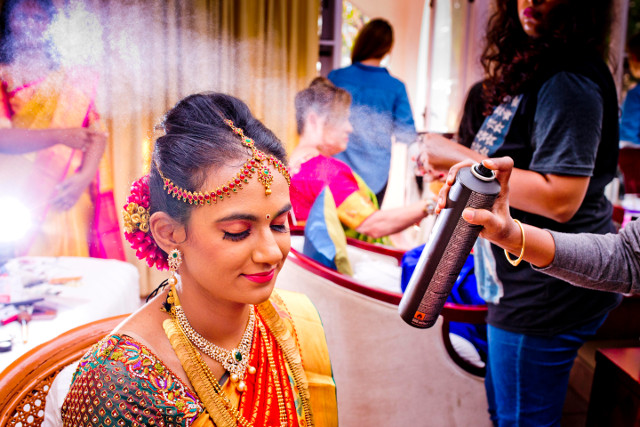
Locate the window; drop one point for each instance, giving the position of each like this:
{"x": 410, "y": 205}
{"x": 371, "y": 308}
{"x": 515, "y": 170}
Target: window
{"x": 338, "y": 26}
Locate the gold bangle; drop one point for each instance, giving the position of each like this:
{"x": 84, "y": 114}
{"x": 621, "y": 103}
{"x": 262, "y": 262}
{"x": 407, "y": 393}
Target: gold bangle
{"x": 506, "y": 254}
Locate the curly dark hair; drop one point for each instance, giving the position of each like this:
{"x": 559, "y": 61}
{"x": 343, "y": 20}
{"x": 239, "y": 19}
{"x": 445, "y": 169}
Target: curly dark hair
{"x": 513, "y": 61}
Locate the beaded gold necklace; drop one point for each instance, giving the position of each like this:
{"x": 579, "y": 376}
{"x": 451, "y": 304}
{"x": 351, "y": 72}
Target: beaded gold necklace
{"x": 217, "y": 401}
{"x": 235, "y": 361}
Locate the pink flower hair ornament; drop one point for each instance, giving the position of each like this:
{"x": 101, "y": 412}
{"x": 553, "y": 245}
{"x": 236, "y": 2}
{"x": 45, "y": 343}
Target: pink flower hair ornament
{"x": 136, "y": 225}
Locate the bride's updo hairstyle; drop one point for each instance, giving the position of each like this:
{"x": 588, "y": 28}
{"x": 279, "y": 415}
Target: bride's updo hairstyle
{"x": 198, "y": 142}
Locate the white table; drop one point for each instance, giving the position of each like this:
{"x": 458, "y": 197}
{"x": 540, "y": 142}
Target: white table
{"x": 107, "y": 288}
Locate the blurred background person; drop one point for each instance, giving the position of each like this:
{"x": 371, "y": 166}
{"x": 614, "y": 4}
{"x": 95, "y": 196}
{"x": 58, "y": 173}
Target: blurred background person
{"x": 630, "y": 118}
{"x": 550, "y": 103}
{"x": 380, "y": 107}
{"x": 68, "y": 186}
{"x": 323, "y": 123}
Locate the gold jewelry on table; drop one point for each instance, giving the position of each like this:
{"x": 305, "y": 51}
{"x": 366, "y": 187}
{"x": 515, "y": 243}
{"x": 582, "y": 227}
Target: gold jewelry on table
{"x": 506, "y": 253}
{"x": 235, "y": 361}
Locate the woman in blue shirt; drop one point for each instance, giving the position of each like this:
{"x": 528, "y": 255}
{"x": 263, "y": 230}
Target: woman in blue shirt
{"x": 630, "y": 119}
{"x": 380, "y": 106}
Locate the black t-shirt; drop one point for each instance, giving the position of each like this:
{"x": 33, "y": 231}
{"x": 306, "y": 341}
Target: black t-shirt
{"x": 566, "y": 125}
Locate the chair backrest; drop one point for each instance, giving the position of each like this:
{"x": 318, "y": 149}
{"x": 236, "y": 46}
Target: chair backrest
{"x": 629, "y": 162}
{"x": 617, "y": 216}
{"x": 24, "y": 384}
{"x": 387, "y": 372}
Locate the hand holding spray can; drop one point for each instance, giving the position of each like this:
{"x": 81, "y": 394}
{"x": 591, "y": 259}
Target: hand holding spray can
{"x": 450, "y": 243}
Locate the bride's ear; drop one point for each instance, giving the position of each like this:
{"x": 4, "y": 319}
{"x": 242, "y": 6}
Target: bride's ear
{"x": 168, "y": 233}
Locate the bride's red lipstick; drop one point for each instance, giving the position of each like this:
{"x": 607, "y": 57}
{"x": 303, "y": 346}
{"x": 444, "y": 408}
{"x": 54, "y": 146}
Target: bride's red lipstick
{"x": 261, "y": 277}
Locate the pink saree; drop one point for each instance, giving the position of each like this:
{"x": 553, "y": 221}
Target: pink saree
{"x": 62, "y": 99}
{"x": 354, "y": 201}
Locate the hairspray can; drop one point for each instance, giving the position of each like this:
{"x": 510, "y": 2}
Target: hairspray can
{"x": 449, "y": 244}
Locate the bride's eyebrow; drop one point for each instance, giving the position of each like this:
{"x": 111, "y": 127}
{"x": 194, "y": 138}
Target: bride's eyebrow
{"x": 238, "y": 216}
{"x": 249, "y": 217}
{"x": 285, "y": 209}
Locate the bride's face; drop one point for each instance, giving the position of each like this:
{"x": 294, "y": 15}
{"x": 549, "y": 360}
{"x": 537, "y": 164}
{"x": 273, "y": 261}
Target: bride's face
{"x": 236, "y": 248}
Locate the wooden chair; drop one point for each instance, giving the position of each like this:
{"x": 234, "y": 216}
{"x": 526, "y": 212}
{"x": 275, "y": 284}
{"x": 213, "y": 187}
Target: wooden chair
{"x": 629, "y": 162}
{"x": 25, "y": 383}
{"x": 617, "y": 216}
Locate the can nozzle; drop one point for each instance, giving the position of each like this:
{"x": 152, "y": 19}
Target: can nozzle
{"x": 482, "y": 172}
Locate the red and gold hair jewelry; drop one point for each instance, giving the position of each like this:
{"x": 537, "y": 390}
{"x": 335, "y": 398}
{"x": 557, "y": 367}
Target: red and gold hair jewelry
{"x": 258, "y": 164}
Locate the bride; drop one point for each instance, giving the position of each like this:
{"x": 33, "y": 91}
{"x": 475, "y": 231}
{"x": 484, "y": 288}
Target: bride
{"x": 215, "y": 346}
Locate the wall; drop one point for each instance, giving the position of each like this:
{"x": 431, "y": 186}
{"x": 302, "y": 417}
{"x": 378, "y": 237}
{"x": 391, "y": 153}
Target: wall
{"x": 406, "y": 18}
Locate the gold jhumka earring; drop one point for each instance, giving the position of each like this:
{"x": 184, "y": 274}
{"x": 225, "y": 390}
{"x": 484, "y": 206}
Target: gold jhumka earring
{"x": 174, "y": 260}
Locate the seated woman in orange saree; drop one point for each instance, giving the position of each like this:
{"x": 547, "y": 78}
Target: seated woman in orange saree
{"x": 219, "y": 347}
{"x": 287, "y": 331}
{"x": 68, "y": 191}
{"x": 322, "y": 115}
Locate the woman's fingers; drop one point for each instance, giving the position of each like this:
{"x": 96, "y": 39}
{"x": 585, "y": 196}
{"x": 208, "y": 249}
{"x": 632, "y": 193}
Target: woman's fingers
{"x": 480, "y": 217}
{"x": 451, "y": 178}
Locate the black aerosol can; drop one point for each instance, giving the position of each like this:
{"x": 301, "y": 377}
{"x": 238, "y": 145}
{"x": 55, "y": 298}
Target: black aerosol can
{"x": 449, "y": 245}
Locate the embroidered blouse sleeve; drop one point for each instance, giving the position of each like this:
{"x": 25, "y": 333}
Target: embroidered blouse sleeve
{"x": 121, "y": 381}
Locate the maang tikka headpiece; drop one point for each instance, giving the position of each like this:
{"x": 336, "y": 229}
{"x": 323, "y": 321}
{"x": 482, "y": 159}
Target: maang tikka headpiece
{"x": 258, "y": 164}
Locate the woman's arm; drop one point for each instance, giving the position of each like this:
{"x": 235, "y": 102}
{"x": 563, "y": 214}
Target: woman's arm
{"x": 19, "y": 141}
{"x": 565, "y": 136}
{"x": 389, "y": 221}
{"x": 553, "y": 196}
{"x": 609, "y": 262}
{"x": 605, "y": 262}
{"x": 70, "y": 190}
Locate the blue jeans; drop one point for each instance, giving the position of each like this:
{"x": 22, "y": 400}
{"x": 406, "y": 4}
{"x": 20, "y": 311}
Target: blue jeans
{"x": 527, "y": 376}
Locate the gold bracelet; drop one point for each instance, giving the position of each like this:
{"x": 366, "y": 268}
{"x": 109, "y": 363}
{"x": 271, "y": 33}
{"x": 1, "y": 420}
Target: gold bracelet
{"x": 506, "y": 254}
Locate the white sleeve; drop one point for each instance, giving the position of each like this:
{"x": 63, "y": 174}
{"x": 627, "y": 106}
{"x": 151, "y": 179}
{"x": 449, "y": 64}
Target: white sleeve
{"x": 56, "y": 395}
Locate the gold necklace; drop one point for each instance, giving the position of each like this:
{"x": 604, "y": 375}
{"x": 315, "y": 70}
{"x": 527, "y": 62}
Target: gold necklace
{"x": 213, "y": 381}
{"x": 284, "y": 420}
{"x": 235, "y": 361}
{"x": 272, "y": 364}
{"x": 272, "y": 320}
